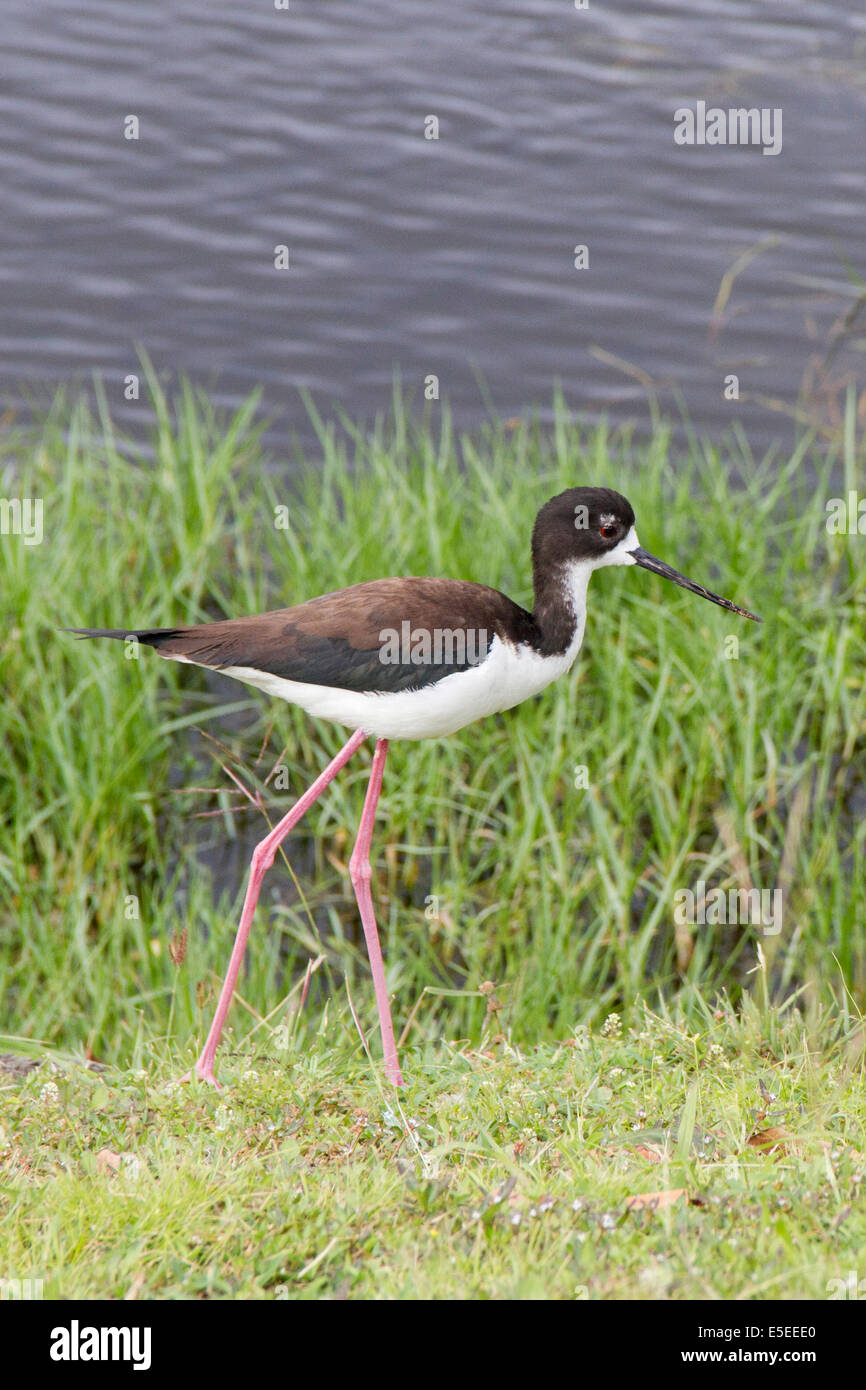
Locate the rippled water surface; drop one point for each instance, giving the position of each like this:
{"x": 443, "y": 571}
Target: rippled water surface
{"x": 452, "y": 257}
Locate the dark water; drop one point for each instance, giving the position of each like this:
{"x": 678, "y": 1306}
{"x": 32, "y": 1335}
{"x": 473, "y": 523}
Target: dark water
{"x": 261, "y": 127}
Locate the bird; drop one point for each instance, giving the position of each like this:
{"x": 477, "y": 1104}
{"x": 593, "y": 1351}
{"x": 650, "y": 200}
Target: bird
{"x": 409, "y": 658}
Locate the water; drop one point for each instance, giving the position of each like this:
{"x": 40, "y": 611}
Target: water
{"x": 452, "y": 257}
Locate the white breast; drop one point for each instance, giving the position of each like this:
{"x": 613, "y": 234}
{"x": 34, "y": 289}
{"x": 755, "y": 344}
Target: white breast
{"x": 508, "y": 675}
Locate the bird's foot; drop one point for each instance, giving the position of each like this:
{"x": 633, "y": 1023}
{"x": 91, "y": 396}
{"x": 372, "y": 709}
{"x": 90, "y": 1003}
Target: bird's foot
{"x": 203, "y": 1071}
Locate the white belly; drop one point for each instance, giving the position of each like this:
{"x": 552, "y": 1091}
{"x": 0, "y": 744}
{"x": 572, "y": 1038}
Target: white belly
{"x": 508, "y": 675}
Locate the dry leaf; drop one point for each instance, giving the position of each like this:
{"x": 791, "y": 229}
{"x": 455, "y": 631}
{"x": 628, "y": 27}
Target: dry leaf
{"x": 655, "y": 1200}
{"x": 780, "y": 1141}
{"x": 773, "y": 1140}
{"x": 655, "y": 1155}
{"x": 108, "y": 1162}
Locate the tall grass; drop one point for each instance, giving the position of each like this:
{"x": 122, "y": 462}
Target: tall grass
{"x": 730, "y": 762}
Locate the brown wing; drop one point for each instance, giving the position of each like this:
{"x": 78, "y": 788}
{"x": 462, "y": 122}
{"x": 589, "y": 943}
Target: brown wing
{"x": 387, "y": 635}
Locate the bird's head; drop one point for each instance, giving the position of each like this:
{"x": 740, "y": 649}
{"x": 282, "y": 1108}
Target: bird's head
{"x": 594, "y": 527}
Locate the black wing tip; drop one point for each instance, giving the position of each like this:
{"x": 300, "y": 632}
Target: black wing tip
{"x": 150, "y": 636}
{"x": 98, "y": 631}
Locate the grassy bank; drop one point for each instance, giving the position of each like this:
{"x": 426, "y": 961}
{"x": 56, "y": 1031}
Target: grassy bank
{"x": 540, "y": 851}
{"x": 648, "y": 1162}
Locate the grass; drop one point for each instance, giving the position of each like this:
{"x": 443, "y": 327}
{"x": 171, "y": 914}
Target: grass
{"x": 539, "y": 852}
{"x": 650, "y": 1162}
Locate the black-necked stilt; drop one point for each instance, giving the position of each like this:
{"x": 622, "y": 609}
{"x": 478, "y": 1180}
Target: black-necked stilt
{"x": 411, "y": 658}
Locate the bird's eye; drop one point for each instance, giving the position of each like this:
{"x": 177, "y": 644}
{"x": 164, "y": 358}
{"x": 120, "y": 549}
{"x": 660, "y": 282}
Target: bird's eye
{"x": 608, "y": 528}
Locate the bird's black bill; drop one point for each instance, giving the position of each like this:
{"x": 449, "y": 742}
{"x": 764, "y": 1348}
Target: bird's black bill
{"x": 649, "y": 562}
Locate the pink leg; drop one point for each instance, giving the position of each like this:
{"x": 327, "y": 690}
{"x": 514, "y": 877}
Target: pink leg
{"x": 263, "y": 858}
{"x": 361, "y": 873}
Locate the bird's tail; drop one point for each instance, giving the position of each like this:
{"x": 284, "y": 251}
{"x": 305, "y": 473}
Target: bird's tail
{"x": 150, "y": 636}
